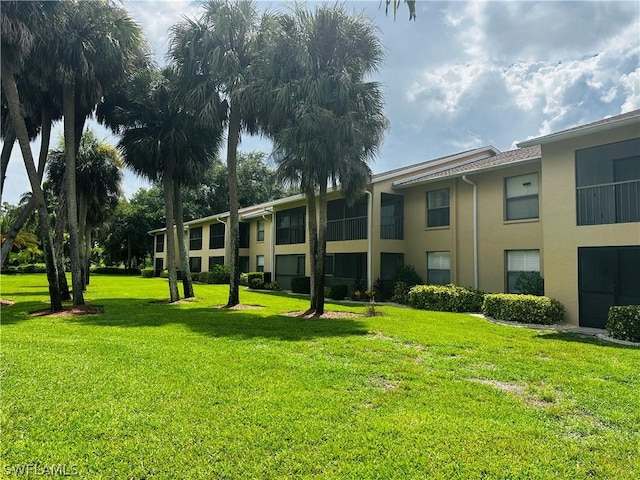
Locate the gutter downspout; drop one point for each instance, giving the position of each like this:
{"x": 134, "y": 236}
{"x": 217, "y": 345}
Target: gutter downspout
{"x": 369, "y": 240}
{"x": 475, "y": 229}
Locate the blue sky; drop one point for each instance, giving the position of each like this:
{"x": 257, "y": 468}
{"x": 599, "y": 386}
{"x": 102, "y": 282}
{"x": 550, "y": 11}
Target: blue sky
{"x": 465, "y": 74}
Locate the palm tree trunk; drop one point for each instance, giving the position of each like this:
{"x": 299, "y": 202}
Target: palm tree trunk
{"x": 322, "y": 248}
{"x": 61, "y": 220}
{"x": 187, "y": 283}
{"x": 312, "y": 219}
{"x": 7, "y": 147}
{"x": 87, "y": 264}
{"x": 13, "y": 101}
{"x": 68, "y": 101}
{"x": 82, "y": 241}
{"x": 28, "y": 209}
{"x": 234, "y": 230}
{"x": 174, "y": 294}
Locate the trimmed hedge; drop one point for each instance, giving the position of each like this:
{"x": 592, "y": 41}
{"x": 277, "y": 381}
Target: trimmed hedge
{"x": 523, "y": 308}
{"x": 623, "y": 322}
{"x": 255, "y": 280}
{"x": 301, "y": 284}
{"x": 147, "y": 272}
{"x": 445, "y": 298}
{"x": 116, "y": 271}
{"x": 218, "y": 275}
{"x": 338, "y": 292}
{"x": 30, "y": 268}
{"x": 401, "y": 293}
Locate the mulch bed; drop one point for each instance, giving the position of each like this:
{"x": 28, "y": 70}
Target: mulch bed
{"x": 6, "y": 303}
{"x": 304, "y": 314}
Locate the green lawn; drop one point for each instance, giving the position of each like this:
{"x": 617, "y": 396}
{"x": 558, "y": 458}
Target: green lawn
{"x": 150, "y": 390}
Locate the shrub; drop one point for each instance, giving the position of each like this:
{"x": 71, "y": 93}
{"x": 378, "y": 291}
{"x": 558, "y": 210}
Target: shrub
{"x": 338, "y": 292}
{"x": 523, "y": 308}
{"x": 10, "y": 270}
{"x": 32, "y": 268}
{"x": 624, "y": 322}
{"x": 251, "y": 276}
{"x": 256, "y": 283}
{"x": 327, "y": 292}
{"x": 220, "y": 274}
{"x": 147, "y": 272}
{"x": 117, "y": 271}
{"x": 275, "y": 286}
{"x": 445, "y": 298}
{"x": 530, "y": 283}
{"x": 301, "y": 285}
{"x": 165, "y": 274}
{"x": 401, "y": 293}
{"x": 244, "y": 279}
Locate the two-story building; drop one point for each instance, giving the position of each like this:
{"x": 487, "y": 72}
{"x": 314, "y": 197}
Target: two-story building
{"x": 566, "y": 205}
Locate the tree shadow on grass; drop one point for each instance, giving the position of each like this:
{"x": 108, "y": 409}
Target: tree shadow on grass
{"x": 218, "y": 322}
{"x": 582, "y": 338}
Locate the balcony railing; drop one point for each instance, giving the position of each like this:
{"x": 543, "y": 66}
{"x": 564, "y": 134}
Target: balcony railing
{"x": 290, "y": 235}
{"x": 347, "y": 229}
{"x": 617, "y": 202}
{"x": 391, "y": 228}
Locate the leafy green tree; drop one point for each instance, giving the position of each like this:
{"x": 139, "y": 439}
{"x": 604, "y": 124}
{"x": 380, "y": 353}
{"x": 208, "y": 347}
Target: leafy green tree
{"x": 325, "y": 119}
{"x": 214, "y": 56}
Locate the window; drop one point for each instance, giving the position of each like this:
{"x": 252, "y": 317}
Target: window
{"x": 518, "y": 262}
{"x": 216, "y": 235}
{"x": 521, "y": 197}
{"x": 259, "y": 263}
{"x": 195, "y": 264}
{"x": 160, "y": 243}
{"x": 290, "y": 226}
{"x": 195, "y": 239}
{"x": 159, "y": 267}
{"x": 438, "y": 208}
{"x": 391, "y": 216}
{"x": 608, "y": 183}
{"x": 244, "y": 264}
{"x": 213, "y": 261}
{"x": 260, "y": 230}
{"x": 438, "y": 268}
{"x": 244, "y": 234}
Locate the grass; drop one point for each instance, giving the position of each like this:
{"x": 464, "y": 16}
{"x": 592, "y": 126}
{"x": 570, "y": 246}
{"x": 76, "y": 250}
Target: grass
{"x": 150, "y": 390}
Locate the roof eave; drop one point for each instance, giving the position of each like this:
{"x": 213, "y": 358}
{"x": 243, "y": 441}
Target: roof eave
{"x": 524, "y": 161}
{"x": 568, "y": 135}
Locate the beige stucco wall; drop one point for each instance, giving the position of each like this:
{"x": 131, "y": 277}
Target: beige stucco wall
{"x": 562, "y": 236}
{"x": 495, "y": 235}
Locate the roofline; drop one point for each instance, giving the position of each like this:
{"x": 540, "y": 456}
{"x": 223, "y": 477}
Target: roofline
{"x": 474, "y": 171}
{"x": 381, "y": 177}
{"x": 576, "y": 132}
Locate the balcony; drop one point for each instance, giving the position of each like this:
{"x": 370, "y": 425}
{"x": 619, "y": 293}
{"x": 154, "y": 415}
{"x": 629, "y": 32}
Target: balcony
{"x": 391, "y": 228}
{"x": 347, "y": 229}
{"x": 617, "y": 202}
{"x": 290, "y": 235}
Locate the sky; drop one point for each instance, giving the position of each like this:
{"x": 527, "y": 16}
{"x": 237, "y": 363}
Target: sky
{"x": 464, "y": 75}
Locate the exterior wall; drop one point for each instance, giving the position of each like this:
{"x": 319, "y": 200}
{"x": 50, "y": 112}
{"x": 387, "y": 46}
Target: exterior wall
{"x": 562, "y": 236}
{"x": 495, "y": 234}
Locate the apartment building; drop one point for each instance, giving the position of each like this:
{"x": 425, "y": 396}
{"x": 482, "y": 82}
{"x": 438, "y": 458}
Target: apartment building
{"x": 566, "y": 205}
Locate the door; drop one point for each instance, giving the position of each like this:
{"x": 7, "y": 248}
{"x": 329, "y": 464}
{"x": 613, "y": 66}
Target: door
{"x": 606, "y": 276}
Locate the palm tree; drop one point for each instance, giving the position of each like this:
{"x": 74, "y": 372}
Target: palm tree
{"x": 99, "y": 175}
{"x": 165, "y": 142}
{"x": 214, "y": 57}
{"x": 98, "y": 47}
{"x": 321, "y": 112}
{"x": 21, "y": 23}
